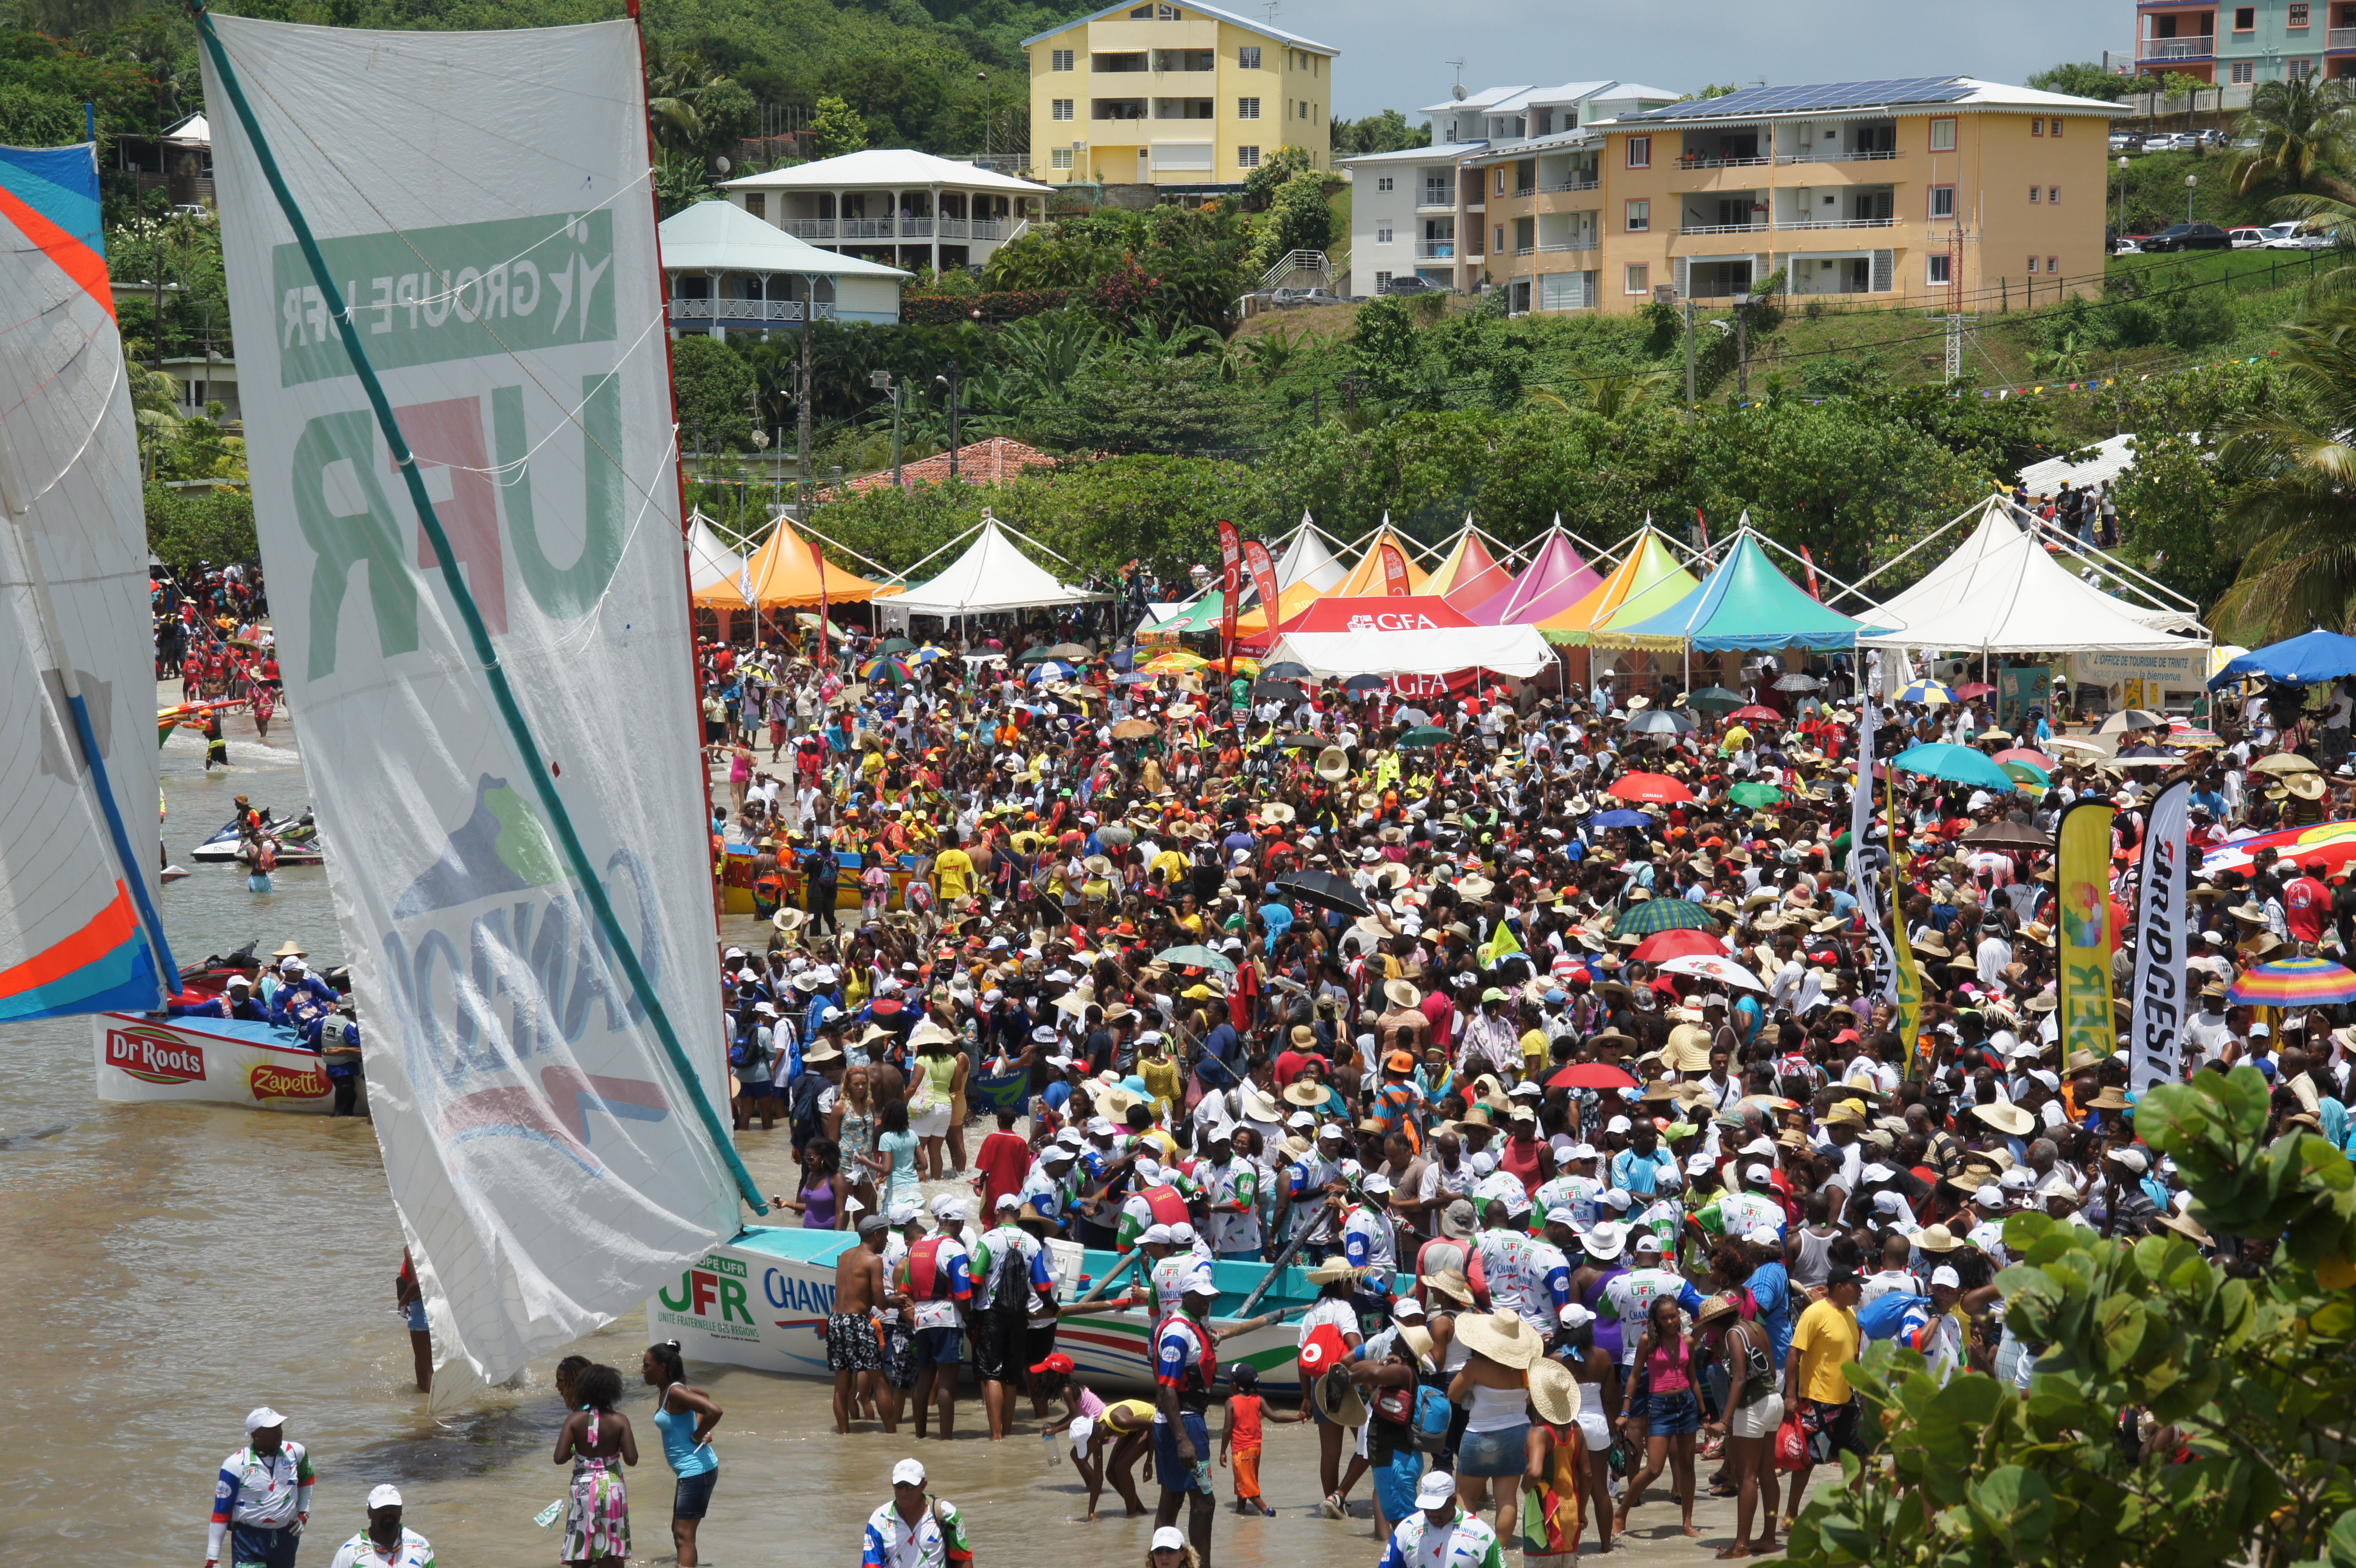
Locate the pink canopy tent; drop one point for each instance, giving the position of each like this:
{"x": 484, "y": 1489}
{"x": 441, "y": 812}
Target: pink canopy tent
{"x": 1469, "y": 574}
{"x": 1557, "y": 579}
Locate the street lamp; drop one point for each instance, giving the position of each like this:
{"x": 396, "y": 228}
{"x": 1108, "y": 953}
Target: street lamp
{"x": 2189, "y": 181}
{"x": 2122, "y": 197}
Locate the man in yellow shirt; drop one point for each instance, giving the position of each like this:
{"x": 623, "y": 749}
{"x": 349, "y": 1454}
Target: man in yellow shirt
{"x": 952, "y": 869}
{"x": 1825, "y": 1338}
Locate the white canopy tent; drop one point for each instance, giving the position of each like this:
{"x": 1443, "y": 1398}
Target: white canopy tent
{"x": 992, "y": 578}
{"x": 1306, "y": 560}
{"x": 709, "y": 559}
{"x": 2114, "y": 456}
{"x": 2001, "y": 592}
{"x": 1519, "y": 650}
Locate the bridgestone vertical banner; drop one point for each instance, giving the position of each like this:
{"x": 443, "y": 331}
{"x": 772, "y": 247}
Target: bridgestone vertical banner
{"x": 1395, "y": 579}
{"x": 481, "y": 200}
{"x": 2082, "y": 928}
{"x": 2156, "y": 1010}
{"x": 1869, "y": 865}
{"x": 1231, "y": 588}
{"x": 1263, "y": 577}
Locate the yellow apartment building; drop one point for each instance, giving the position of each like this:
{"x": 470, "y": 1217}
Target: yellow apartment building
{"x": 1941, "y": 192}
{"x": 1180, "y": 96}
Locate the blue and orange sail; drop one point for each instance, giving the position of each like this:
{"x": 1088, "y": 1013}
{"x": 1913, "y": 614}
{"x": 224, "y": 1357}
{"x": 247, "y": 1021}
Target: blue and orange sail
{"x": 79, "y": 927}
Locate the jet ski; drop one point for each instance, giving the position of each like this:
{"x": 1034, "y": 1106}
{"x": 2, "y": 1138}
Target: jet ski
{"x": 298, "y": 840}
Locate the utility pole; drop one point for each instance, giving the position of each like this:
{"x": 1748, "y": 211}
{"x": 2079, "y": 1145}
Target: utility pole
{"x": 1689, "y": 355}
{"x": 802, "y": 404}
{"x": 882, "y": 381}
{"x": 1742, "y": 346}
{"x": 950, "y": 378}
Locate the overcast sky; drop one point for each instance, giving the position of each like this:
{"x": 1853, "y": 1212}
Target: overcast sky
{"x": 1393, "y": 50}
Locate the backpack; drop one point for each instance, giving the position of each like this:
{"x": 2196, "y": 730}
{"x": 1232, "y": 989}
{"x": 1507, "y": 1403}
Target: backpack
{"x": 1432, "y": 1414}
{"x": 1321, "y": 1350}
{"x": 1009, "y": 1297}
{"x": 1887, "y": 1314}
{"x": 803, "y": 1119}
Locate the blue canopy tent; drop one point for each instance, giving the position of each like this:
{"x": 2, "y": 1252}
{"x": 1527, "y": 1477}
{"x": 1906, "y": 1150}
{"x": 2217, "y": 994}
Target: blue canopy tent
{"x": 2305, "y": 660}
{"x": 1745, "y": 604}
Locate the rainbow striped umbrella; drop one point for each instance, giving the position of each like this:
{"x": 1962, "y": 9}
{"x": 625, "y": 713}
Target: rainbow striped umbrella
{"x": 2293, "y": 982}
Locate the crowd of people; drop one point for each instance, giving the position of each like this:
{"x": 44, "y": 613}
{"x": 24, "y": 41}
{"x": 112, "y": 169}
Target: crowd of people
{"x": 1551, "y": 1046}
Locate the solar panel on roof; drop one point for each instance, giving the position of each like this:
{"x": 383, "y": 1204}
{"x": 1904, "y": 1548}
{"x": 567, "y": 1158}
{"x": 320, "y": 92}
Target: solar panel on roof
{"x": 1818, "y": 95}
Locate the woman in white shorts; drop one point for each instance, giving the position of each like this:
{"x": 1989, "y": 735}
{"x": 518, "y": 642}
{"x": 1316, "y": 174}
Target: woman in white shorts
{"x": 1754, "y": 1411}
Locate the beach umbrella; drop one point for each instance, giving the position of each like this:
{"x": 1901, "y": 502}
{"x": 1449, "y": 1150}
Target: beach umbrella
{"x": 2030, "y": 755}
{"x": 1173, "y": 661}
{"x": 1683, "y": 942}
{"x": 1132, "y": 730}
{"x": 1714, "y": 966}
{"x": 1277, "y": 690}
{"x": 895, "y": 645}
{"x": 1753, "y": 793}
{"x": 2007, "y": 835}
{"x": 895, "y": 671}
{"x": 1196, "y": 957}
{"x": 2028, "y": 773}
{"x": 1620, "y": 819}
{"x": 1662, "y": 915}
{"x": 1656, "y": 788}
{"x": 2283, "y": 764}
{"x": 1427, "y": 735}
{"x": 1326, "y": 891}
{"x": 1660, "y": 720}
{"x": 2293, "y": 982}
{"x": 1289, "y": 670}
{"x": 1593, "y": 1075}
{"x": 1955, "y": 764}
{"x": 1303, "y": 740}
{"x": 1412, "y": 716}
{"x": 1716, "y": 698}
{"x": 2064, "y": 743}
{"x": 1034, "y": 655}
{"x": 2182, "y": 734}
{"x": 2126, "y": 719}
{"x": 1757, "y": 714}
{"x": 1797, "y": 682}
{"x": 1974, "y": 689}
{"x": 1115, "y": 835}
{"x": 1928, "y": 693}
{"x": 1050, "y": 671}
{"x": 1364, "y": 683}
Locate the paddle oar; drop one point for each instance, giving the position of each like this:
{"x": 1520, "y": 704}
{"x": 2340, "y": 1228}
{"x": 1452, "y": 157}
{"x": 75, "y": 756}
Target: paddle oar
{"x": 1128, "y": 1261}
{"x": 1276, "y": 1269}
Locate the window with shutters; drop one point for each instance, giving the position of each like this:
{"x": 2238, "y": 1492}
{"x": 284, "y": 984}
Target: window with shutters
{"x": 1636, "y": 278}
{"x": 1059, "y": 109}
{"x": 1640, "y": 217}
{"x": 1059, "y": 157}
{"x": 1247, "y": 56}
{"x": 1937, "y": 276}
{"x": 1247, "y": 157}
{"x": 1640, "y": 152}
{"x": 1943, "y": 134}
{"x": 1383, "y": 182}
{"x": 1246, "y": 108}
{"x": 1382, "y": 234}
{"x": 757, "y": 204}
{"x": 1942, "y": 201}
{"x": 1059, "y": 60}
{"x": 1382, "y": 282}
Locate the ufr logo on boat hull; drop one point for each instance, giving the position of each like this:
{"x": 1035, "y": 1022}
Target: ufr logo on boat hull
{"x": 154, "y": 1057}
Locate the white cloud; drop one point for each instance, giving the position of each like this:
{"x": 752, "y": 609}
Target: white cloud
{"x": 1393, "y": 52}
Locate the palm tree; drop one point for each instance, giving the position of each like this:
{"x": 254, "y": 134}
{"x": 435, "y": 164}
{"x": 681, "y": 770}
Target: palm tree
{"x": 2306, "y": 129}
{"x": 2296, "y": 514}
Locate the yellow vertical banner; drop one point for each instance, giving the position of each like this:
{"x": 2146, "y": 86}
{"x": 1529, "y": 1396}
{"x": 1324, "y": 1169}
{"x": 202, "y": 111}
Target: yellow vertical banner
{"x": 1909, "y": 978}
{"x": 2082, "y": 890}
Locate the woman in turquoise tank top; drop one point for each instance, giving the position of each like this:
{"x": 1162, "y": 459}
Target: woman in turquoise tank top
{"x": 685, "y": 1416}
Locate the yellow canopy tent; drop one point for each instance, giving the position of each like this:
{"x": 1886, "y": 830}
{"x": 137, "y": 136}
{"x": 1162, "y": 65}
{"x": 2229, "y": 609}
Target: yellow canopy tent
{"x": 783, "y": 574}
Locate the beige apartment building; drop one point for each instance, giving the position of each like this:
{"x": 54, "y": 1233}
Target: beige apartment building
{"x": 1186, "y": 98}
{"x": 1945, "y": 192}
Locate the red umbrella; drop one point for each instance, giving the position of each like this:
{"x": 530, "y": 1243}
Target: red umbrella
{"x": 1662, "y": 946}
{"x": 1757, "y": 714}
{"x": 1657, "y": 788}
{"x": 1592, "y": 1075}
{"x": 2029, "y": 754}
{"x": 1977, "y": 688}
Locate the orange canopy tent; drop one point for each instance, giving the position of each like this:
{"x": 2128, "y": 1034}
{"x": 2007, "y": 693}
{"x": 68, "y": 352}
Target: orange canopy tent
{"x": 783, "y": 574}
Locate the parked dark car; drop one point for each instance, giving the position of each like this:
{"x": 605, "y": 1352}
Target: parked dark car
{"x": 2189, "y": 237}
{"x": 1413, "y": 284}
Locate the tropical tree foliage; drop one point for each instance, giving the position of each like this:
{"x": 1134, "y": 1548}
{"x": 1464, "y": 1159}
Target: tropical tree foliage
{"x": 2294, "y": 517}
{"x": 2306, "y": 131}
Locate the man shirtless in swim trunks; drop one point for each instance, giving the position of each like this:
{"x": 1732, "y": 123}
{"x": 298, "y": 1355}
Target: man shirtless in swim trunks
{"x": 853, "y": 1351}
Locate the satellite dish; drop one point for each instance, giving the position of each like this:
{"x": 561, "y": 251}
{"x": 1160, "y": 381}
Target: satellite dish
{"x": 760, "y": 440}
{"x": 719, "y": 165}
{"x": 1457, "y": 92}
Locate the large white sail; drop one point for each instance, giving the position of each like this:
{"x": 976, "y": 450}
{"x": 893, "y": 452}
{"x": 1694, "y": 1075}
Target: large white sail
{"x": 77, "y": 841}
{"x": 481, "y": 200}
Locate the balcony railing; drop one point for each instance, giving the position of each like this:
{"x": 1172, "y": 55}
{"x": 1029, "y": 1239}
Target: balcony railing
{"x": 2341, "y": 39}
{"x": 1722, "y": 228}
{"x": 1702, "y": 160}
{"x": 986, "y": 228}
{"x": 1524, "y": 190}
{"x": 2199, "y": 47}
{"x": 1525, "y": 250}
{"x": 808, "y": 228}
{"x": 915, "y": 227}
{"x": 1578, "y": 182}
{"x": 1435, "y": 250}
{"x": 725, "y": 310}
{"x": 1576, "y": 243}
{"x": 1839, "y": 223}
{"x": 1837, "y": 157}
{"x": 866, "y": 228}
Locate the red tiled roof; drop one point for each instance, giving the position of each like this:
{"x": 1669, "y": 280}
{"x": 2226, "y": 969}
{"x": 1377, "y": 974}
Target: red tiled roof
{"x": 991, "y": 462}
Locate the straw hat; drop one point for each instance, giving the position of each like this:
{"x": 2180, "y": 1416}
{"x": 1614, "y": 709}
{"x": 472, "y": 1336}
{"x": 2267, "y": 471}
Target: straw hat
{"x": 1275, "y": 811}
{"x": 1502, "y": 1337}
{"x": 1259, "y": 1104}
{"x": 1333, "y": 763}
{"x": 1332, "y": 1270}
{"x": 1339, "y": 1401}
{"x": 1399, "y": 993}
{"x": 1417, "y": 1339}
{"x": 1303, "y": 1094}
{"x": 1554, "y": 1392}
{"x": 2006, "y": 1118}
{"x": 1939, "y": 1239}
{"x": 1450, "y": 1282}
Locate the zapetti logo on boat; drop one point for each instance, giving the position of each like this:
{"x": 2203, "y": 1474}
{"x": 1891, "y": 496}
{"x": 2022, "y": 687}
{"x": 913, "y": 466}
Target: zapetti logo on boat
{"x": 268, "y": 1080}
{"x": 511, "y": 1000}
{"x": 711, "y": 1296}
{"x": 467, "y": 290}
{"x": 153, "y": 1055}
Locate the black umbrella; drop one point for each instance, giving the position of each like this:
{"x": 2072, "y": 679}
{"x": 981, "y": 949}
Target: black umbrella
{"x": 1285, "y": 670}
{"x": 1366, "y": 684}
{"x": 2008, "y": 835}
{"x": 1281, "y": 691}
{"x": 1301, "y": 739}
{"x": 1326, "y": 891}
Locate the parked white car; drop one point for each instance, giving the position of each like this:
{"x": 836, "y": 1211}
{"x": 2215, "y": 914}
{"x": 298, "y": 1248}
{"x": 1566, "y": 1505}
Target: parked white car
{"x": 2248, "y": 239}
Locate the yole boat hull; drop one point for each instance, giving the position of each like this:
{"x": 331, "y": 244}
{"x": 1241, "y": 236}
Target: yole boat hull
{"x": 761, "y": 1300}
{"x": 223, "y": 1061}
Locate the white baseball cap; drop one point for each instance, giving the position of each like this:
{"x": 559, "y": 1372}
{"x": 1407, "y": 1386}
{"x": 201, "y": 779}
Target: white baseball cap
{"x": 1563, "y": 1217}
{"x": 1757, "y": 1173}
{"x": 1169, "y": 1538}
{"x": 1155, "y": 1236}
{"x": 1437, "y": 1489}
{"x": 262, "y": 1415}
{"x": 1574, "y": 1316}
{"x": 908, "y": 1473}
{"x": 383, "y": 1498}
{"x": 1763, "y": 1235}
{"x": 1007, "y": 1200}
{"x": 1943, "y": 1275}
{"x": 1406, "y": 1306}
{"x": 1183, "y": 1234}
